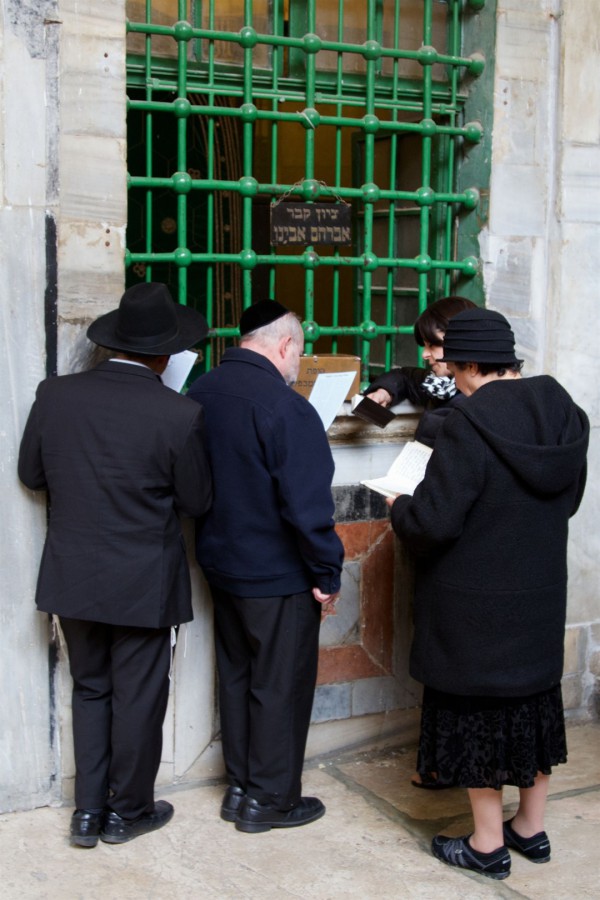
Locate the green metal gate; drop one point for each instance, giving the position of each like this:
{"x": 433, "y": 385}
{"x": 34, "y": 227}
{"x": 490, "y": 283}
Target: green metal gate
{"x": 238, "y": 106}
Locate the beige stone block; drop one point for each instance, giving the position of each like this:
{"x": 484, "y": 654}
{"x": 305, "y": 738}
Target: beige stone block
{"x": 572, "y": 692}
{"x": 523, "y": 102}
{"x": 580, "y": 184}
{"x": 93, "y": 179}
{"x": 90, "y": 257}
{"x": 594, "y": 663}
{"x": 580, "y": 39}
{"x": 523, "y": 42}
{"x": 24, "y": 125}
{"x": 574, "y": 306}
{"x": 518, "y": 200}
{"x": 574, "y": 639}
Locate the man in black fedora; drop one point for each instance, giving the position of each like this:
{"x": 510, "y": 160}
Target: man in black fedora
{"x": 120, "y": 455}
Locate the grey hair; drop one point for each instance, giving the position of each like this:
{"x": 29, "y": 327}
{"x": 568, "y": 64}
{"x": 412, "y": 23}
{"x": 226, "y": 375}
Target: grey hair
{"x": 268, "y": 335}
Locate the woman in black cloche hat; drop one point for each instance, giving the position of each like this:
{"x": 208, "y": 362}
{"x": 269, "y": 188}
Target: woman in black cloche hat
{"x": 489, "y": 526}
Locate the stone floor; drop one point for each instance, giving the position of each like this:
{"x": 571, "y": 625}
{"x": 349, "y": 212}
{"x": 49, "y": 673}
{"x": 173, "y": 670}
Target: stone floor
{"x": 372, "y": 843}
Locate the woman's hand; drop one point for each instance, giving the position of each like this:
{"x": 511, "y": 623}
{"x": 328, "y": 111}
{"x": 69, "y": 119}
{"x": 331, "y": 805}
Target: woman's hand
{"x": 381, "y": 396}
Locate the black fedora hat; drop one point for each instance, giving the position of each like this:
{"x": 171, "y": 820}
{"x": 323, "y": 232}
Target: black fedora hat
{"x": 149, "y": 322}
{"x": 479, "y": 336}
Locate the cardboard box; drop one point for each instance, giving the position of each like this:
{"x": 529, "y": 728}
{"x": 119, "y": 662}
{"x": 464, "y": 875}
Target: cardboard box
{"x": 313, "y": 365}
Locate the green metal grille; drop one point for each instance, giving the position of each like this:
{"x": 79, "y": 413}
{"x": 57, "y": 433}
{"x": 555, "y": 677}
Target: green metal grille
{"x": 235, "y": 105}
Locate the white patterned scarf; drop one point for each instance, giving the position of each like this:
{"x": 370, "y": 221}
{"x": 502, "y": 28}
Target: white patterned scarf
{"x": 442, "y": 387}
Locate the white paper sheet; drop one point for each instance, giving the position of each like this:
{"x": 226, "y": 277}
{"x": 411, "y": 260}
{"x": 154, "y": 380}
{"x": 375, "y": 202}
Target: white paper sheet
{"x": 178, "y": 369}
{"x": 328, "y": 394}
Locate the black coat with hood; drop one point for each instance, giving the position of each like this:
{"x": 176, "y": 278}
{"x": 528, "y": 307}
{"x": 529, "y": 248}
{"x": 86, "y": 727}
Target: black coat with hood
{"x": 489, "y": 527}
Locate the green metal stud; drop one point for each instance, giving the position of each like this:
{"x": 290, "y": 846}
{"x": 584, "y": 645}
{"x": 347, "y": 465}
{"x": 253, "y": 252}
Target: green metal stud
{"x": 183, "y": 31}
{"x": 427, "y": 56}
{"x": 310, "y": 117}
{"x": 182, "y": 108}
{"x": 248, "y": 186}
{"x": 471, "y": 200}
{"x": 370, "y": 262}
{"x": 425, "y": 196}
{"x": 369, "y": 330}
{"x": 473, "y": 132}
{"x": 423, "y": 262}
{"x": 248, "y": 37}
{"x": 311, "y": 259}
{"x": 370, "y": 124}
{"x": 182, "y": 182}
{"x": 310, "y": 189}
{"x": 477, "y": 64}
{"x": 249, "y": 112}
{"x": 182, "y": 257}
{"x": 312, "y": 331}
{"x": 312, "y": 43}
{"x": 371, "y": 50}
{"x": 428, "y": 127}
{"x": 248, "y": 259}
{"x": 470, "y": 266}
{"x": 371, "y": 192}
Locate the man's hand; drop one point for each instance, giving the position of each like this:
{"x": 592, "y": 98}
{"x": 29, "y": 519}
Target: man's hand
{"x": 327, "y": 601}
{"x": 381, "y": 396}
{"x": 391, "y": 500}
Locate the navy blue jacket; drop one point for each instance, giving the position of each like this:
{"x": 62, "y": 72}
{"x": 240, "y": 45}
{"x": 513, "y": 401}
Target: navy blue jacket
{"x": 270, "y": 530}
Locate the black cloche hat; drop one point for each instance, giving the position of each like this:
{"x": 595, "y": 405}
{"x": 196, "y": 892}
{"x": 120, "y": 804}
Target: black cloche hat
{"x": 479, "y": 336}
{"x": 261, "y": 313}
{"x": 149, "y": 322}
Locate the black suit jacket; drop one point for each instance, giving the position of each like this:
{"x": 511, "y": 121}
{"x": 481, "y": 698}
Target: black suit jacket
{"x": 120, "y": 454}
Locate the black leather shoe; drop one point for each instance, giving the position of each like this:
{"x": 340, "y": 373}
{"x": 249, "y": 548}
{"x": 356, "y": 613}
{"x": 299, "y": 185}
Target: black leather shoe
{"x": 232, "y": 801}
{"x": 85, "y": 827}
{"x": 254, "y": 816}
{"x": 117, "y": 830}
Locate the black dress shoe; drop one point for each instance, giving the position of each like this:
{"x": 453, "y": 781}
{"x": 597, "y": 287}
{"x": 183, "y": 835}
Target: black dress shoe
{"x": 232, "y": 801}
{"x": 255, "y": 816}
{"x": 85, "y": 827}
{"x": 117, "y": 830}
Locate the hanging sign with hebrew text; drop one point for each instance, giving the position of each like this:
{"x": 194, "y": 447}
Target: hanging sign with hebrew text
{"x": 311, "y": 223}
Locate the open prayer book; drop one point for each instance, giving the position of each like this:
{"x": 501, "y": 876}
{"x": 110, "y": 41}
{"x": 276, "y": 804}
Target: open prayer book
{"x": 405, "y": 473}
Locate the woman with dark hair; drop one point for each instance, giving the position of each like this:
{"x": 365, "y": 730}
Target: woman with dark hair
{"x": 488, "y": 526}
{"x": 435, "y": 390}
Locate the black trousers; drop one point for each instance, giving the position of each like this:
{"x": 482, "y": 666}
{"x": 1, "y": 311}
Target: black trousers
{"x": 267, "y": 655}
{"x": 120, "y": 693}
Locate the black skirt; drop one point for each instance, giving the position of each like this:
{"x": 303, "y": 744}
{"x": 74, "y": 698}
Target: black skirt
{"x": 487, "y": 742}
